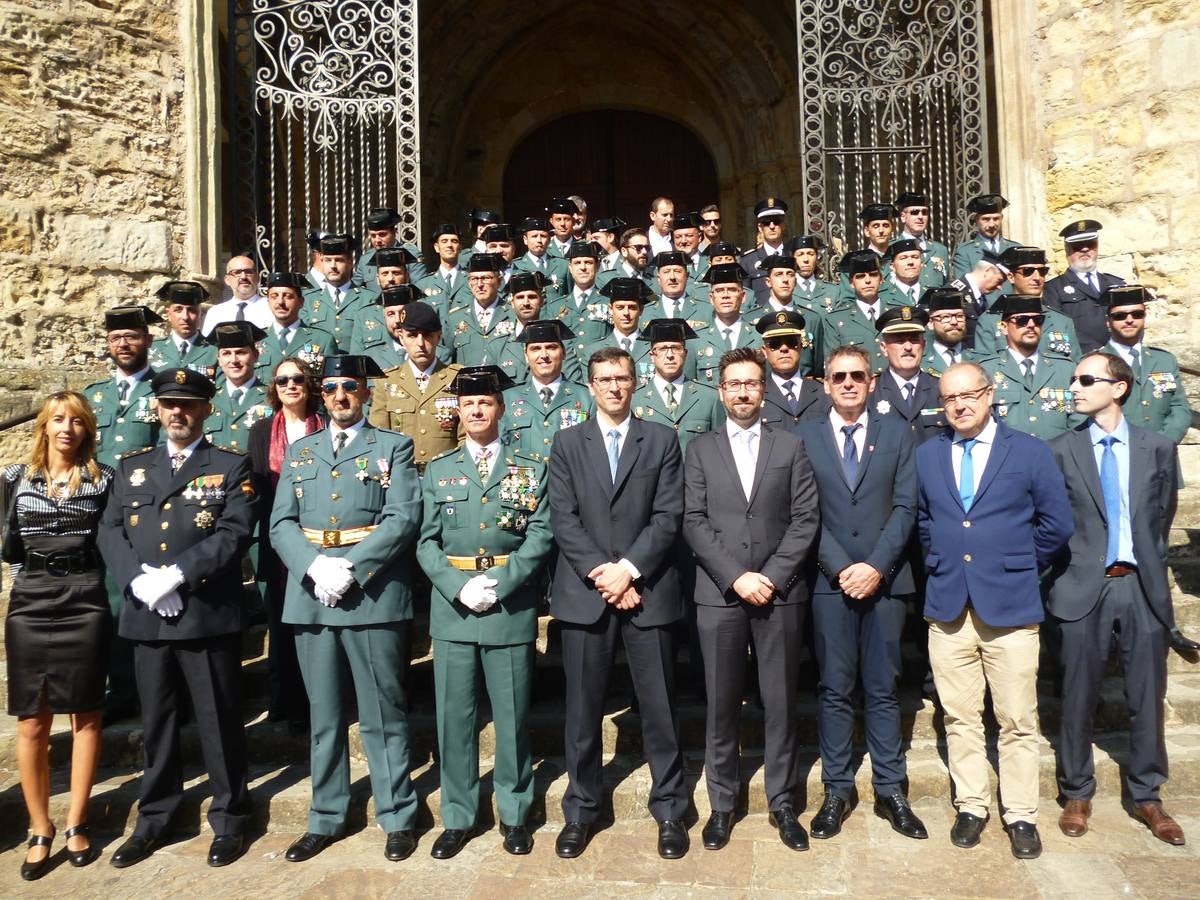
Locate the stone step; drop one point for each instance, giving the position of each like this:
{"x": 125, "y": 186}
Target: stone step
{"x": 280, "y": 795}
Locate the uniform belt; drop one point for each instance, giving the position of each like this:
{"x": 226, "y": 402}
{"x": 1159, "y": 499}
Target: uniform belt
{"x": 62, "y": 562}
{"x": 478, "y": 563}
{"x": 1119, "y": 570}
{"x": 328, "y": 537}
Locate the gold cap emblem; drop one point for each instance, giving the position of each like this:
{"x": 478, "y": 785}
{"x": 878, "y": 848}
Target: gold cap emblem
{"x": 906, "y": 313}
{"x": 180, "y": 376}
{"x": 781, "y": 318}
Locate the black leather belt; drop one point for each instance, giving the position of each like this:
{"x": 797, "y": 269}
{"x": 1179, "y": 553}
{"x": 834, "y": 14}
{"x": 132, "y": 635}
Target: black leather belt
{"x": 62, "y": 562}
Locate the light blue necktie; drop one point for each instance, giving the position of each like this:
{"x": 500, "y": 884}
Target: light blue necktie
{"x": 966, "y": 475}
{"x": 614, "y": 453}
{"x": 1110, "y": 484}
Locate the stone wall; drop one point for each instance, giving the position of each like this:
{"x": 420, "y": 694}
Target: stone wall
{"x": 1118, "y": 95}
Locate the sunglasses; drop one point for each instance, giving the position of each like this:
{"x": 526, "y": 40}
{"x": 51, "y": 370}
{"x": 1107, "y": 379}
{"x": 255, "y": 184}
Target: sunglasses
{"x": 776, "y": 343}
{"x": 1026, "y": 271}
{"x": 716, "y": 221}
{"x": 858, "y": 376}
{"x": 771, "y": 220}
{"x": 349, "y": 385}
{"x": 639, "y": 248}
{"x": 1128, "y": 314}
{"x": 285, "y": 380}
{"x": 1026, "y": 321}
{"x": 1089, "y": 380}
{"x": 918, "y": 210}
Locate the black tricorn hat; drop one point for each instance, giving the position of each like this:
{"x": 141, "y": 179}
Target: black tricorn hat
{"x": 670, "y": 258}
{"x": 627, "y": 289}
{"x": 986, "y": 203}
{"x": 420, "y": 316}
{"x": 722, "y": 248}
{"x": 581, "y": 249}
{"x": 805, "y": 242}
{"x": 1126, "y": 295}
{"x": 658, "y": 330}
{"x": 485, "y": 262}
{"x": 1023, "y": 256}
{"x": 910, "y": 198}
{"x": 501, "y": 231}
{"x": 943, "y": 298}
{"x": 612, "y": 225}
{"x": 562, "y": 205}
{"x": 296, "y": 280}
{"x": 686, "y": 220}
{"x": 334, "y": 244}
{"x": 351, "y": 366}
{"x": 400, "y": 295}
{"x": 474, "y": 380}
{"x": 526, "y": 281}
{"x": 446, "y": 228}
{"x": 776, "y": 261}
{"x": 1018, "y": 304}
{"x": 130, "y": 317}
{"x": 859, "y": 261}
{"x": 229, "y": 335}
{"x": 726, "y": 273}
{"x": 904, "y": 245}
{"x": 187, "y": 293}
{"x": 392, "y": 256}
{"x": 541, "y": 331}
{"x": 874, "y": 212}
{"x": 382, "y": 217}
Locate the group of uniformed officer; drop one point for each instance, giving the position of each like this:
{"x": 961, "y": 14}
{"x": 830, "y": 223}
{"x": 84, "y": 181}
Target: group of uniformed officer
{"x": 478, "y": 360}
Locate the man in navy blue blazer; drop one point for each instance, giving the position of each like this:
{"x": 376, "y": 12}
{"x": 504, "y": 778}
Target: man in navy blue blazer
{"x": 992, "y": 512}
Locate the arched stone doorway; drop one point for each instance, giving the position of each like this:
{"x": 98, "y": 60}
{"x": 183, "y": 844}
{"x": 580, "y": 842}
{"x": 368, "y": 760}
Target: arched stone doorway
{"x": 617, "y": 160}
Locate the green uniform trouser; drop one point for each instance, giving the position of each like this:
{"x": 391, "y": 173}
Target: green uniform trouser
{"x": 508, "y": 675}
{"x": 372, "y": 656}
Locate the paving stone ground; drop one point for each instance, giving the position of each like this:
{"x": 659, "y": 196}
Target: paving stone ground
{"x": 1117, "y": 858}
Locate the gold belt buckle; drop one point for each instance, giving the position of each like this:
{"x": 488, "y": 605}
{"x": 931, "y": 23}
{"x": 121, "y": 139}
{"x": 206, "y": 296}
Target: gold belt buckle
{"x": 331, "y": 538}
{"x": 483, "y": 563}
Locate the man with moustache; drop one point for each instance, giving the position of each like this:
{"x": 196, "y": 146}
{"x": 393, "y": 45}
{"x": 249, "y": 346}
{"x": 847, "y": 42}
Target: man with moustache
{"x": 246, "y": 303}
{"x": 750, "y": 518}
{"x": 790, "y": 398}
{"x": 948, "y": 330}
{"x": 1077, "y": 292}
{"x": 184, "y": 347}
{"x": 902, "y": 390}
{"x": 675, "y": 299}
{"x": 634, "y": 261}
{"x": 1026, "y": 272}
{"x": 391, "y": 270}
{"x": 287, "y": 336}
{"x": 548, "y": 400}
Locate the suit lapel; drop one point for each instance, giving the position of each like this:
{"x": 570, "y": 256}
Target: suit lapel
{"x": 868, "y": 449}
{"x": 945, "y": 462}
{"x": 1081, "y": 451}
{"x": 629, "y": 454}
{"x": 597, "y": 452}
{"x": 1139, "y": 470}
{"x": 766, "y": 441}
{"x": 995, "y": 461}
{"x": 726, "y": 454}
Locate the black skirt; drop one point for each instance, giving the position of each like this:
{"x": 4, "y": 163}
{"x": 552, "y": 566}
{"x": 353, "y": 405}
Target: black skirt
{"x": 56, "y": 637}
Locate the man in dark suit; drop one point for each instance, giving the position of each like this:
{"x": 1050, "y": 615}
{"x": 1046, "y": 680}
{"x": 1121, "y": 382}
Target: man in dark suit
{"x": 789, "y": 398}
{"x": 750, "y": 516}
{"x": 173, "y": 536}
{"x": 616, "y": 507}
{"x": 1077, "y": 291}
{"x": 1112, "y": 581}
{"x": 992, "y": 511}
{"x": 902, "y": 390}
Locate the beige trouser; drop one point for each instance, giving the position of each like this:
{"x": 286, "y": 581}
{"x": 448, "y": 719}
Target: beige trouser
{"x": 969, "y": 656}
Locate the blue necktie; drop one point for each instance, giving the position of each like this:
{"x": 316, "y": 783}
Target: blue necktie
{"x": 850, "y": 455}
{"x": 966, "y": 475}
{"x": 1110, "y": 484}
{"x": 614, "y": 453}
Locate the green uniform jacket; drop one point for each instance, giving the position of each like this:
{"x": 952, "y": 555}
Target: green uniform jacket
{"x": 1158, "y": 401}
{"x": 440, "y": 296}
{"x": 591, "y": 322}
{"x": 364, "y": 271}
{"x": 372, "y": 482}
{"x": 698, "y": 313}
{"x": 845, "y": 324}
{"x": 557, "y": 272}
{"x": 430, "y": 419}
{"x": 529, "y": 427}
{"x": 121, "y": 429}
{"x": 465, "y": 517}
{"x": 936, "y": 257}
{"x": 201, "y": 356}
{"x": 895, "y": 295}
{"x": 505, "y": 351}
{"x": 1058, "y": 335}
{"x": 708, "y": 349}
{"x": 935, "y": 364}
{"x": 698, "y": 410}
{"x": 318, "y": 312}
{"x": 229, "y": 427}
{"x": 1047, "y": 410}
{"x": 309, "y": 344}
{"x": 970, "y": 252}
{"x": 467, "y": 341}
{"x": 639, "y": 350}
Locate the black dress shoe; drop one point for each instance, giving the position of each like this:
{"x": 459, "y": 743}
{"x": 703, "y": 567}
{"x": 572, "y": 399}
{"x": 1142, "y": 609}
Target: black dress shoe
{"x": 791, "y": 832}
{"x": 517, "y": 839}
{"x": 400, "y": 844}
{"x": 132, "y": 851}
{"x": 829, "y": 818}
{"x": 32, "y": 871}
{"x": 225, "y": 849}
{"x": 672, "y": 839}
{"x": 1026, "y": 844}
{"x": 897, "y": 811}
{"x": 967, "y": 829}
{"x": 572, "y": 840}
{"x": 1181, "y": 643}
{"x": 86, "y": 856}
{"x": 716, "y": 831}
{"x": 449, "y": 842}
{"x": 309, "y": 845}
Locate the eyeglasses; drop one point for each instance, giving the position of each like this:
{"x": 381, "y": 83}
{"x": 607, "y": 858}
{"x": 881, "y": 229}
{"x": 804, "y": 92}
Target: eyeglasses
{"x": 1089, "y": 380}
{"x": 240, "y": 272}
{"x": 481, "y": 279}
{"x": 918, "y": 210}
{"x": 777, "y": 343}
{"x": 639, "y": 248}
{"x": 858, "y": 376}
{"x": 968, "y": 397}
{"x": 1026, "y": 271}
{"x": 667, "y": 348}
{"x": 1025, "y": 321}
{"x": 746, "y": 385}
{"x": 771, "y": 220}
{"x": 1128, "y": 314}
{"x": 607, "y": 381}
{"x": 349, "y": 385}
{"x": 948, "y": 317}
{"x": 285, "y": 380}
{"x": 125, "y": 338}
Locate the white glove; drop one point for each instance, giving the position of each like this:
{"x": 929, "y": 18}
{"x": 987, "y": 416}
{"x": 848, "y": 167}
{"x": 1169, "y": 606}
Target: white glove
{"x": 154, "y": 584}
{"x": 326, "y": 598}
{"x": 478, "y": 594}
{"x": 332, "y": 574}
{"x": 169, "y": 606}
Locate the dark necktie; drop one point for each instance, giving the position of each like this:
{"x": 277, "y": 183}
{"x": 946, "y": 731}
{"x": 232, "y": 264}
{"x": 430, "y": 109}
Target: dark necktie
{"x": 789, "y": 395}
{"x": 339, "y": 442}
{"x": 122, "y": 391}
{"x": 547, "y": 396}
{"x": 285, "y": 338}
{"x": 727, "y": 334}
{"x": 950, "y": 357}
{"x": 1110, "y": 484}
{"x": 1027, "y": 365}
{"x": 238, "y": 396}
{"x": 1135, "y": 363}
{"x": 183, "y": 350}
{"x": 850, "y": 454}
{"x": 909, "y": 393}
{"x": 241, "y": 313}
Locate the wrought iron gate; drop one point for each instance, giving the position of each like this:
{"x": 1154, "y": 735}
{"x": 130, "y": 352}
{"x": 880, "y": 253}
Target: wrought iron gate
{"x": 892, "y": 98}
{"x": 324, "y": 121}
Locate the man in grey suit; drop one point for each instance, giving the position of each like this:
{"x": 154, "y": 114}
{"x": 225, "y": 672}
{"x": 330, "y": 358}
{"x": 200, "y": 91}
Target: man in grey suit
{"x": 862, "y": 584}
{"x": 1121, "y": 481}
{"x": 616, "y": 506}
{"x": 750, "y": 516}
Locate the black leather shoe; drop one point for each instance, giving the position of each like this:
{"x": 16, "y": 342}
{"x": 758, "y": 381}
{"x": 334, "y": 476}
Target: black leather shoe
{"x": 716, "y": 831}
{"x": 572, "y": 840}
{"x": 309, "y": 845}
{"x": 132, "y": 851}
{"x": 517, "y": 839}
{"x": 672, "y": 839}
{"x": 449, "y": 842}
{"x": 1026, "y": 844}
{"x": 400, "y": 844}
{"x": 32, "y": 871}
{"x": 1181, "y": 643}
{"x": 225, "y": 849}
{"x": 897, "y": 811}
{"x": 791, "y": 832}
{"x": 829, "y": 818}
{"x": 86, "y": 856}
{"x": 967, "y": 829}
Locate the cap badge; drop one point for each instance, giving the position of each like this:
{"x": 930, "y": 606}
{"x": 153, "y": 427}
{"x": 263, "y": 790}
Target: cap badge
{"x": 181, "y": 377}
{"x": 770, "y": 201}
{"x": 905, "y": 313}
{"x": 781, "y": 318}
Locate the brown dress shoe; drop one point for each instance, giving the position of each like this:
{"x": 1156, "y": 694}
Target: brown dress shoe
{"x": 1161, "y": 825}
{"x": 1074, "y": 818}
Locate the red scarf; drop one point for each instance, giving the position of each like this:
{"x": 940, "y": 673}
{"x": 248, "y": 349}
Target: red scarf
{"x": 279, "y": 441}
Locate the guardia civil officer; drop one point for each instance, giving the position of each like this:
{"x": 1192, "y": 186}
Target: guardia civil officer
{"x": 184, "y": 346}
{"x": 173, "y": 537}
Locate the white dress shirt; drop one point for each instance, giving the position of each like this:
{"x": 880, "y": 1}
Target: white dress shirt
{"x": 836, "y": 422}
{"x": 351, "y": 432}
{"x": 258, "y": 312}
{"x": 979, "y": 454}
{"x": 494, "y": 449}
{"x": 659, "y": 243}
{"x": 660, "y": 385}
{"x": 1020, "y": 358}
{"x": 553, "y": 385}
{"x": 745, "y": 453}
{"x": 131, "y": 380}
{"x": 173, "y": 448}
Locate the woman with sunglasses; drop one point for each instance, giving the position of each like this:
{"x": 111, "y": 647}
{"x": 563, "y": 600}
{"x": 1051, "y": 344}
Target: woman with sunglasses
{"x": 293, "y": 393}
{"x": 58, "y": 628}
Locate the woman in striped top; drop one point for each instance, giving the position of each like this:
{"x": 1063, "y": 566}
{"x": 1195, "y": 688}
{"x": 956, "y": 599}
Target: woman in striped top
{"x": 58, "y": 627}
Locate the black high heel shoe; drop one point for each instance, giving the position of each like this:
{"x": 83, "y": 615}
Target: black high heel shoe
{"x": 34, "y": 871}
{"x": 86, "y": 856}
